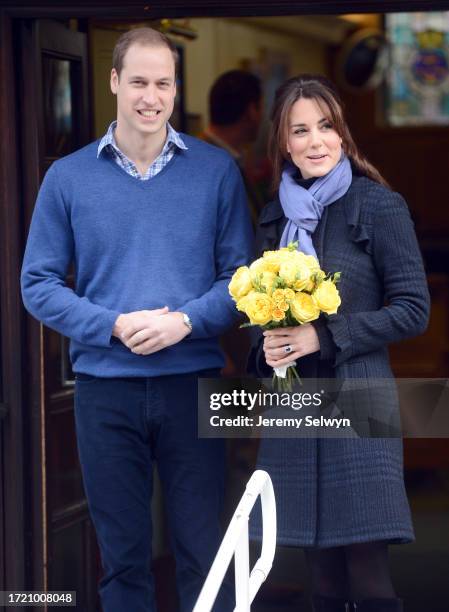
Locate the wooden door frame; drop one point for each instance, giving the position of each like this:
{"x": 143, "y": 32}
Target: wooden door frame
{"x": 14, "y": 451}
{"x": 15, "y": 365}
{"x": 30, "y": 140}
{"x": 31, "y": 33}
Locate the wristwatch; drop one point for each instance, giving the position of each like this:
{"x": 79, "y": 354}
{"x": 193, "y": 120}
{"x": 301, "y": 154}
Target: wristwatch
{"x": 187, "y": 321}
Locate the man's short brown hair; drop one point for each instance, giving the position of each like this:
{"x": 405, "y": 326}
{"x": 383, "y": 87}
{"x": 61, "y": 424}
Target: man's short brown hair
{"x": 141, "y": 36}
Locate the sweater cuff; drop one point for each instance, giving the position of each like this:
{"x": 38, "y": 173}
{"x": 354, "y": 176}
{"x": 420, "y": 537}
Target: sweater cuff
{"x": 108, "y": 327}
{"x": 197, "y": 328}
{"x": 327, "y": 345}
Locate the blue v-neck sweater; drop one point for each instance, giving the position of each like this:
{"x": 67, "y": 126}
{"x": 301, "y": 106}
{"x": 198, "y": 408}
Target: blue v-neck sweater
{"x": 174, "y": 241}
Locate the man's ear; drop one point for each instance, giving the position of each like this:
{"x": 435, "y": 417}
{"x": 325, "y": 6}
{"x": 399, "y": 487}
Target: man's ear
{"x": 114, "y": 81}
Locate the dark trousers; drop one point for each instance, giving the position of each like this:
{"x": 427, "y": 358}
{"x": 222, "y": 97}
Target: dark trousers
{"x": 123, "y": 425}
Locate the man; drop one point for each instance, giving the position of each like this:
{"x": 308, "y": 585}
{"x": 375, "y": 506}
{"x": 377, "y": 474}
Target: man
{"x": 156, "y": 223}
{"x": 235, "y": 110}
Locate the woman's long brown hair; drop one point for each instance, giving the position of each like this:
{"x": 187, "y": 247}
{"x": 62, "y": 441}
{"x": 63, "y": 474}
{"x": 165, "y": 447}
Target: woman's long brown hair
{"x": 312, "y": 87}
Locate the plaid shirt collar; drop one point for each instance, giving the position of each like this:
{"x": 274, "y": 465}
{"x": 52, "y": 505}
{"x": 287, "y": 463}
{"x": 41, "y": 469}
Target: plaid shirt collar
{"x": 108, "y": 144}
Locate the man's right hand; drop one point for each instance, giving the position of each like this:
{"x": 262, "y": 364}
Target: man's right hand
{"x": 130, "y": 323}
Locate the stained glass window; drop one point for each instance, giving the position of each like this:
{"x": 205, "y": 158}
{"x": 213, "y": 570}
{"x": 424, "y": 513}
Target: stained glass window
{"x": 418, "y": 72}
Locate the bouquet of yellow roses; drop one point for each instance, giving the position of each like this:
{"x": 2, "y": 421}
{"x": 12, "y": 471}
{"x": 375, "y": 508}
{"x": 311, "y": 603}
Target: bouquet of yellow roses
{"x": 284, "y": 288}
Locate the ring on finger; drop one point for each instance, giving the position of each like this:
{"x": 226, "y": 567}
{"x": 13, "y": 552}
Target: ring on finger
{"x": 288, "y": 348}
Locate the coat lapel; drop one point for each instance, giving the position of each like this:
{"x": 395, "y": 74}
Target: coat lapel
{"x": 319, "y": 234}
{"x": 271, "y": 226}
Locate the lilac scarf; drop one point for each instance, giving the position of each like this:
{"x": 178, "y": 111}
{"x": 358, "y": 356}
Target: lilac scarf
{"x": 304, "y": 207}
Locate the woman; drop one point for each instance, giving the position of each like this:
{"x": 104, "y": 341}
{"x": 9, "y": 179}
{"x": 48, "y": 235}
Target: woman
{"x": 343, "y": 500}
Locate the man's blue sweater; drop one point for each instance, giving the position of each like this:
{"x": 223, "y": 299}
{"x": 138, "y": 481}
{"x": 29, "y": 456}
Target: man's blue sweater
{"x": 174, "y": 240}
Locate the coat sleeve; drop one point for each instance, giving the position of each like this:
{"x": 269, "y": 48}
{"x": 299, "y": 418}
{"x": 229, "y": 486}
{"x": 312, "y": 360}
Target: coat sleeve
{"x": 327, "y": 344}
{"x": 398, "y": 262}
{"x": 256, "y": 364}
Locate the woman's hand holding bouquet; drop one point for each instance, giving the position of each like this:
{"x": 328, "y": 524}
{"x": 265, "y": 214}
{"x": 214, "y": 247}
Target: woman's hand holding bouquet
{"x": 284, "y": 289}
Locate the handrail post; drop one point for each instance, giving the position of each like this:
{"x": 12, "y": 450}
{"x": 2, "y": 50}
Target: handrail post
{"x": 241, "y": 569}
{"x": 236, "y": 544}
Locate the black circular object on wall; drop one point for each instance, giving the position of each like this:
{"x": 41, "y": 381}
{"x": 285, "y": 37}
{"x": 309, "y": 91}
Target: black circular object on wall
{"x": 363, "y": 60}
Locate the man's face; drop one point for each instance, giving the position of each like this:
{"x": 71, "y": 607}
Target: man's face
{"x": 145, "y": 89}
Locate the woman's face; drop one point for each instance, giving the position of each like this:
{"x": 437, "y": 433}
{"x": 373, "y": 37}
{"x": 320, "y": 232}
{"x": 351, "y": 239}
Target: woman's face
{"x": 313, "y": 144}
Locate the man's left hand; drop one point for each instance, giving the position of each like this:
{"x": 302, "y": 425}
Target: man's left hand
{"x": 162, "y": 331}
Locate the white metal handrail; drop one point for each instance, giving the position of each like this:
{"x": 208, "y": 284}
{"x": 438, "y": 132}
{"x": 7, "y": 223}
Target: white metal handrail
{"x": 236, "y": 542}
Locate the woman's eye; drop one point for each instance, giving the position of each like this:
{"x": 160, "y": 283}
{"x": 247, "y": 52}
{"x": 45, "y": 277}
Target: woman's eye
{"x": 327, "y": 126}
{"x": 300, "y": 131}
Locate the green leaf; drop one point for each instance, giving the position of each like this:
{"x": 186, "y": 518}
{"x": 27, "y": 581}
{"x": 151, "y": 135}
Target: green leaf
{"x": 336, "y": 277}
{"x": 256, "y": 284}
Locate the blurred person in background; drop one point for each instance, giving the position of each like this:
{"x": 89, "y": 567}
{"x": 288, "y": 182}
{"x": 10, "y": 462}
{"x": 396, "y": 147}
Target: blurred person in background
{"x": 235, "y": 112}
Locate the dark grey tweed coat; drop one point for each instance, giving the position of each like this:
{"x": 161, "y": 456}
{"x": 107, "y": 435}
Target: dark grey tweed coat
{"x": 333, "y": 492}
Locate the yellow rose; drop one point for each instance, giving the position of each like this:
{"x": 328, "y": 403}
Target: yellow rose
{"x": 326, "y": 297}
{"x": 278, "y": 295}
{"x": 289, "y": 294}
{"x": 272, "y": 260}
{"x": 282, "y": 306}
{"x": 258, "y": 267}
{"x": 240, "y": 304}
{"x": 282, "y": 297}
{"x": 303, "y": 284}
{"x": 311, "y": 262}
{"x": 315, "y": 273}
{"x": 315, "y": 280}
{"x": 278, "y": 314}
{"x": 302, "y": 281}
{"x": 289, "y": 270}
{"x": 270, "y": 254}
{"x": 303, "y": 308}
{"x": 267, "y": 279}
{"x": 320, "y": 275}
{"x": 258, "y": 307}
{"x": 240, "y": 283}
{"x": 285, "y": 255}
